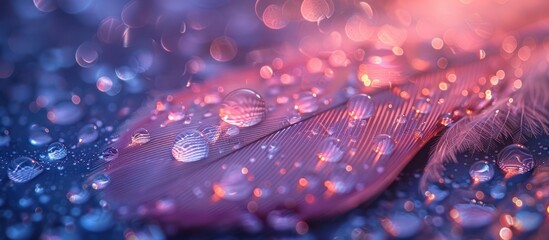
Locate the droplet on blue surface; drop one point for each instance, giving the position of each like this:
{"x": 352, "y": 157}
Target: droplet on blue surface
{"x": 97, "y": 221}
{"x": 330, "y": 150}
{"x": 190, "y": 146}
{"x": 77, "y": 195}
{"x": 109, "y": 154}
{"x": 233, "y": 185}
{"x": 306, "y": 102}
{"x": 472, "y": 215}
{"x": 481, "y": 171}
{"x": 243, "y": 108}
{"x": 515, "y": 159}
{"x": 39, "y": 136}
{"x": 141, "y": 136}
{"x": 360, "y": 107}
{"x": 210, "y": 132}
{"x": 383, "y": 144}
{"x": 57, "y": 151}
{"x": 99, "y": 181}
{"x": 446, "y": 119}
{"x": 24, "y": 169}
{"x": 88, "y": 134}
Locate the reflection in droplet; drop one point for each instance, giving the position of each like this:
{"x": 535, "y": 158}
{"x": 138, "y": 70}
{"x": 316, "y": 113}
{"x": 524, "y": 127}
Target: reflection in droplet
{"x": 306, "y": 102}
{"x": 57, "y": 151}
{"x": 141, "y": 136}
{"x": 481, "y": 171}
{"x": 23, "y": 169}
{"x": 383, "y": 144}
{"x": 243, "y": 108}
{"x": 88, "y": 134}
{"x": 39, "y": 136}
{"x": 190, "y": 146}
{"x": 515, "y": 159}
{"x": 109, "y": 154}
{"x": 360, "y": 106}
{"x": 233, "y": 185}
{"x": 210, "y": 132}
{"x": 223, "y": 49}
{"x": 329, "y": 150}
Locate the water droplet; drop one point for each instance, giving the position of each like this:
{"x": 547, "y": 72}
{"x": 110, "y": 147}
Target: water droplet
{"x": 232, "y": 131}
{"x": 99, "y": 181}
{"x": 498, "y": 191}
{"x": 527, "y": 221}
{"x": 233, "y": 185}
{"x": 109, "y": 154}
{"x": 515, "y": 159}
{"x": 340, "y": 181}
{"x": 23, "y": 169}
{"x": 402, "y": 225}
{"x": 88, "y": 134}
{"x": 329, "y": 150}
{"x": 306, "y": 102}
{"x": 57, "y": 151}
{"x": 481, "y": 171}
{"x": 293, "y": 119}
{"x": 446, "y": 119}
{"x": 472, "y": 215}
{"x": 360, "y": 107}
{"x": 210, "y": 132}
{"x": 77, "y": 195}
{"x": 402, "y": 119}
{"x": 422, "y": 106}
{"x": 39, "y": 136}
{"x": 65, "y": 113}
{"x": 190, "y": 146}
{"x": 141, "y": 136}
{"x": 243, "y": 108}
{"x": 97, "y": 221}
{"x": 383, "y": 144}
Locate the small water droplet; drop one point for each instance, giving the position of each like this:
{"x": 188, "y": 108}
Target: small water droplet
{"x": 481, "y": 171}
{"x": 306, "y": 102}
{"x": 498, "y": 191}
{"x": 57, "y": 151}
{"x": 99, "y": 181}
{"x": 109, "y": 154}
{"x": 23, "y": 169}
{"x": 88, "y": 134}
{"x": 293, "y": 119}
{"x": 141, "y": 136}
{"x": 243, "y": 108}
{"x": 77, "y": 195}
{"x": 232, "y": 131}
{"x": 190, "y": 146}
{"x": 38, "y": 136}
{"x": 446, "y": 119}
{"x": 383, "y": 144}
{"x": 402, "y": 119}
{"x": 360, "y": 107}
{"x": 210, "y": 132}
{"x": 422, "y": 106}
{"x": 515, "y": 159}
{"x": 233, "y": 185}
{"x": 329, "y": 150}
{"x": 340, "y": 181}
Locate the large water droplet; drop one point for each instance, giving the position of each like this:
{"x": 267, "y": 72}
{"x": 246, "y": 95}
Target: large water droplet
{"x": 57, "y": 151}
{"x": 243, "y": 108}
{"x": 306, "y": 102}
{"x": 233, "y": 185}
{"x": 39, "y": 136}
{"x": 190, "y": 146}
{"x": 383, "y": 144}
{"x": 481, "y": 171}
{"x": 210, "y": 132}
{"x": 515, "y": 159}
{"x": 141, "y": 136}
{"x": 360, "y": 107}
{"x": 472, "y": 216}
{"x": 23, "y": 169}
{"x": 87, "y": 134}
{"x": 109, "y": 154}
{"x": 329, "y": 150}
